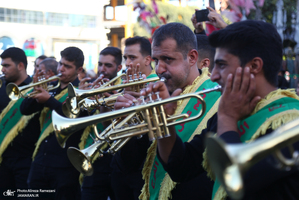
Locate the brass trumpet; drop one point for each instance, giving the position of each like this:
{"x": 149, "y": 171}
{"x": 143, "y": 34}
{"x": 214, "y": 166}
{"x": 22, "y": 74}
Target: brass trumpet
{"x": 82, "y": 159}
{"x": 77, "y": 97}
{"x": 155, "y": 122}
{"x": 229, "y": 162}
{"x": 15, "y": 92}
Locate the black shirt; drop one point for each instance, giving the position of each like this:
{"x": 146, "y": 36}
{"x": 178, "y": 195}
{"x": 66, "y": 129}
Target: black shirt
{"x": 4, "y": 100}
{"x": 262, "y": 181}
{"x": 23, "y": 144}
{"x": 50, "y": 153}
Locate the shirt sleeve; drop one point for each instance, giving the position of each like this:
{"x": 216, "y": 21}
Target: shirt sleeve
{"x": 30, "y": 106}
{"x": 54, "y": 104}
{"x": 185, "y": 160}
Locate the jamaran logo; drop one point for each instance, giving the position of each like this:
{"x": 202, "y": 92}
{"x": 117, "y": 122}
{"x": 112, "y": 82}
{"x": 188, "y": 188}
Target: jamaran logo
{"x": 9, "y": 193}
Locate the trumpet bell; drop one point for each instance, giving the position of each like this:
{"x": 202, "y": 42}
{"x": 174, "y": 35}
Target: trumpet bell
{"x": 81, "y": 159}
{"x": 230, "y": 161}
{"x": 12, "y": 91}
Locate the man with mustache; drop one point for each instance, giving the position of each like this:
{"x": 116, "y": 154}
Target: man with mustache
{"x": 174, "y": 51}
{"x": 51, "y": 168}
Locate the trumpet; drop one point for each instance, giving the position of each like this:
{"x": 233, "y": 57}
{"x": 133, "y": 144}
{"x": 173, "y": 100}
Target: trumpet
{"x": 230, "y": 162}
{"x": 1, "y": 76}
{"x": 155, "y": 121}
{"x": 77, "y": 97}
{"x": 15, "y": 92}
{"x": 82, "y": 159}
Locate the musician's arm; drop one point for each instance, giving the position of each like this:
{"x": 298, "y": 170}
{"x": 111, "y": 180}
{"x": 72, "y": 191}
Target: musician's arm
{"x": 30, "y": 106}
{"x": 54, "y": 104}
{"x": 184, "y": 161}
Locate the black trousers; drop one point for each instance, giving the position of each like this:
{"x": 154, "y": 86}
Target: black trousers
{"x": 127, "y": 186}
{"x": 65, "y": 181}
{"x": 98, "y": 185}
{"x": 13, "y": 174}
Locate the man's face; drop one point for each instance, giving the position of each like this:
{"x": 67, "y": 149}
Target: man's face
{"x": 133, "y": 56}
{"x": 10, "y": 69}
{"x": 68, "y": 70}
{"x": 107, "y": 66}
{"x": 36, "y": 64}
{"x": 225, "y": 64}
{"x": 171, "y": 64}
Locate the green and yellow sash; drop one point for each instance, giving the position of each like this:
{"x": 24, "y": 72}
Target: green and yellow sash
{"x": 12, "y": 122}
{"x": 158, "y": 184}
{"x": 278, "y": 108}
{"x": 46, "y": 121}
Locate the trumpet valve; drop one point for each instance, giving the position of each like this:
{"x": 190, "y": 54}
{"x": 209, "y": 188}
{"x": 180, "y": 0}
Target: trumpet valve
{"x": 142, "y": 99}
{"x": 140, "y": 76}
{"x": 158, "y": 97}
{"x": 130, "y": 79}
{"x": 150, "y": 98}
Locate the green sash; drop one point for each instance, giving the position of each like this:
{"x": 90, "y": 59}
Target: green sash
{"x": 159, "y": 183}
{"x": 46, "y": 121}
{"x": 89, "y": 140}
{"x": 252, "y": 126}
{"x": 12, "y": 122}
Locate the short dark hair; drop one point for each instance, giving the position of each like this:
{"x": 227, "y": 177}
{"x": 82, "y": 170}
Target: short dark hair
{"x": 16, "y": 54}
{"x": 145, "y": 45}
{"x": 249, "y": 39}
{"x": 42, "y": 57}
{"x": 50, "y": 64}
{"x": 205, "y": 50}
{"x": 73, "y": 54}
{"x": 182, "y": 34}
{"x": 113, "y": 51}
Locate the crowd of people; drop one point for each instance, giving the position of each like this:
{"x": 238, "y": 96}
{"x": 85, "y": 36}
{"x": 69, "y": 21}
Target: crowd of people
{"x": 244, "y": 58}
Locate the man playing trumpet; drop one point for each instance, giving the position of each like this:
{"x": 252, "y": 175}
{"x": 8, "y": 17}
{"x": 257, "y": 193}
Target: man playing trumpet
{"x": 51, "y": 168}
{"x": 18, "y": 133}
{"x": 98, "y": 186}
{"x": 247, "y": 61}
{"x": 174, "y": 52}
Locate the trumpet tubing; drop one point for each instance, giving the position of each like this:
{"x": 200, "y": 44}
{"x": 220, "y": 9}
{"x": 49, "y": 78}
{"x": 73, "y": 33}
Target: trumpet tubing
{"x": 75, "y": 96}
{"x": 14, "y": 92}
{"x": 64, "y": 127}
{"x": 230, "y": 161}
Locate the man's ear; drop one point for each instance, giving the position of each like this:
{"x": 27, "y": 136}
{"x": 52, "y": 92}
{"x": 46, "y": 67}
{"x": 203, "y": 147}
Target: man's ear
{"x": 256, "y": 65}
{"x": 79, "y": 70}
{"x": 192, "y": 57}
{"x": 148, "y": 60}
{"x": 119, "y": 67}
{"x": 21, "y": 66}
{"x": 204, "y": 63}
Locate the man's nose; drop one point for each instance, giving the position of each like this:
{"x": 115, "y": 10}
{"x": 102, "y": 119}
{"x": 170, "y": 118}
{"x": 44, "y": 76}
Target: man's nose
{"x": 160, "y": 67}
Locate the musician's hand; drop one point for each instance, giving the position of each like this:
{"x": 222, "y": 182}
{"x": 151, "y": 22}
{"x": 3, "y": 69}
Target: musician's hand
{"x": 42, "y": 96}
{"x": 197, "y": 25}
{"x": 238, "y": 100}
{"x": 215, "y": 19}
{"x": 124, "y": 101}
{"x": 160, "y": 87}
{"x": 84, "y": 85}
